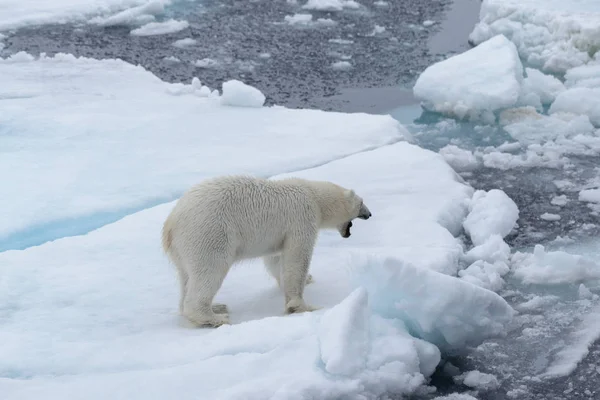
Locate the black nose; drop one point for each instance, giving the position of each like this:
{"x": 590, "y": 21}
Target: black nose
{"x": 368, "y": 216}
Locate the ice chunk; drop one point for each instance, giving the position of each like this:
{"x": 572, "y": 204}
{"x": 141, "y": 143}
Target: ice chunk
{"x": 459, "y": 159}
{"x": 493, "y": 249}
{"x": 160, "y": 28}
{"x": 537, "y": 128}
{"x": 474, "y": 83}
{"x": 546, "y": 87}
{"x": 330, "y": 5}
{"x": 550, "y": 34}
{"x": 456, "y": 396}
{"x": 459, "y": 314}
{"x": 381, "y": 3}
{"x": 480, "y": 381}
{"x": 183, "y": 43}
{"x": 298, "y": 19}
{"x": 590, "y": 195}
{"x": 530, "y": 159}
{"x": 584, "y": 76}
{"x": 377, "y": 29}
{"x": 491, "y": 213}
{"x": 584, "y": 292}
{"x": 172, "y": 59}
{"x": 427, "y": 23}
{"x": 206, "y": 63}
{"x": 238, "y": 94}
{"x": 581, "y": 101}
{"x": 579, "y": 341}
{"x": 344, "y": 335}
{"x": 538, "y": 302}
{"x": 341, "y": 65}
{"x": 553, "y": 267}
{"x": 341, "y": 41}
{"x": 141, "y": 14}
{"x": 550, "y": 217}
{"x": 560, "y": 201}
{"x": 485, "y": 274}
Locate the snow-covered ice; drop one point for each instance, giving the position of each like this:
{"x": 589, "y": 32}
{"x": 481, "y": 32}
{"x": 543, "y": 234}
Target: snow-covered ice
{"x": 92, "y": 309}
{"x": 553, "y": 35}
{"x": 160, "y": 28}
{"x": 19, "y": 13}
{"x": 238, "y": 94}
{"x": 164, "y": 134}
{"x": 475, "y": 83}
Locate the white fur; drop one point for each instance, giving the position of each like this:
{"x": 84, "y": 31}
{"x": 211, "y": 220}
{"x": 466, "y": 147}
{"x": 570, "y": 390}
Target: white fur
{"x": 228, "y": 219}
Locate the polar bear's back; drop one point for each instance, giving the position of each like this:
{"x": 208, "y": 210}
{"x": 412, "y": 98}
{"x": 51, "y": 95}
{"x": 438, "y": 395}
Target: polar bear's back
{"x": 253, "y": 215}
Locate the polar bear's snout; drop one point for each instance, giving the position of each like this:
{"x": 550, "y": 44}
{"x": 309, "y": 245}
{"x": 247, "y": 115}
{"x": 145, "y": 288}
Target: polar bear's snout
{"x": 364, "y": 212}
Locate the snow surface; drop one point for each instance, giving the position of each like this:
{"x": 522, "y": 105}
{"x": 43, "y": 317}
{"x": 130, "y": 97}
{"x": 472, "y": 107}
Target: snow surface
{"x": 475, "y": 83}
{"x": 553, "y": 35}
{"x": 238, "y": 94}
{"x": 19, "y": 13}
{"x": 95, "y": 313}
{"x": 160, "y": 28}
{"x": 168, "y": 136}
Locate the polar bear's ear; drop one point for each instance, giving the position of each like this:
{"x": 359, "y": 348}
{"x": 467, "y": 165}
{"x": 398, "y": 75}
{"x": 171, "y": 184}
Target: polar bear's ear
{"x": 350, "y": 194}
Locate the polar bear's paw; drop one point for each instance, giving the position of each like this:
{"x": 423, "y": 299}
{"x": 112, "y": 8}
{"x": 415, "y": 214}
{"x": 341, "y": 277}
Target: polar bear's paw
{"x": 209, "y": 321}
{"x": 219, "y": 308}
{"x": 298, "y": 306}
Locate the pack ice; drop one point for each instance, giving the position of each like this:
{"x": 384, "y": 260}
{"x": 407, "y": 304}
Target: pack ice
{"x": 88, "y": 301}
{"x": 475, "y": 83}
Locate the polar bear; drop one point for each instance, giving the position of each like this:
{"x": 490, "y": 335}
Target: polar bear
{"x": 228, "y": 219}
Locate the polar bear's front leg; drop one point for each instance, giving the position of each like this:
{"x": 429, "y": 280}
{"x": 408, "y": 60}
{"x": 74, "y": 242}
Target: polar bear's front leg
{"x": 297, "y": 255}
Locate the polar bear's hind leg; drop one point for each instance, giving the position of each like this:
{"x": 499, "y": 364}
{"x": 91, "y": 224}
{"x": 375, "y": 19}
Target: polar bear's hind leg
{"x": 204, "y": 281}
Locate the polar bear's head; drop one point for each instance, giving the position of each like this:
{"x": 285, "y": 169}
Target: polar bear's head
{"x": 355, "y": 208}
